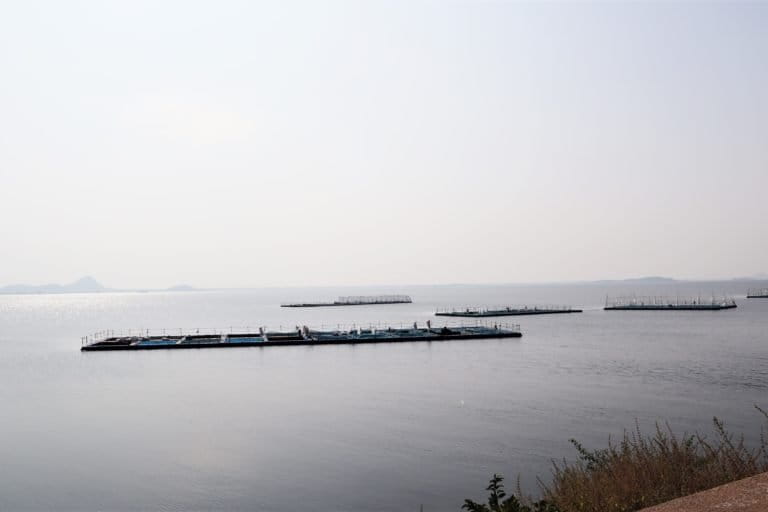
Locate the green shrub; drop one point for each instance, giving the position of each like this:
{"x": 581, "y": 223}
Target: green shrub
{"x": 497, "y": 503}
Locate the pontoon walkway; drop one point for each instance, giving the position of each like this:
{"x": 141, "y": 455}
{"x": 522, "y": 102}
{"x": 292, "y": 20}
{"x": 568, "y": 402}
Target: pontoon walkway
{"x": 301, "y": 336}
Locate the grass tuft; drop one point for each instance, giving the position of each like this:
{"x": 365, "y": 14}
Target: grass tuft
{"x": 642, "y": 471}
{"x": 638, "y": 472}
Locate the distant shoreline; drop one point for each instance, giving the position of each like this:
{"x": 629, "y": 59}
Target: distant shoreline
{"x": 90, "y": 285}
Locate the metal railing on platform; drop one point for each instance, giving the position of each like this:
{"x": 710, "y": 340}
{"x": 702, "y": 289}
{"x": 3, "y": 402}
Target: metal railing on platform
{"x": 354, "y": 300}
{"x": 502, "y": 308}
{"x": 654, "y": 300}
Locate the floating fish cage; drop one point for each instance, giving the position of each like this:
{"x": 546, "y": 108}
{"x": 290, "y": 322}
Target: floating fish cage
{"x": 757, "y": 293}
{"x": 474, "y": 311}
{"x": 654, "y": 303}
{"x": 143, "y": 339}
{"x": 355, "y": 300}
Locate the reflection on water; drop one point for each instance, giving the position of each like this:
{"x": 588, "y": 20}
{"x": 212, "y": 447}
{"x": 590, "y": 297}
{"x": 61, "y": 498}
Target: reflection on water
{"x": 379, "y": 427}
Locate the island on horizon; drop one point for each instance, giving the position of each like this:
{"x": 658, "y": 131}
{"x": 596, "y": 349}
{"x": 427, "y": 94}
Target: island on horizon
{"x": 86, "y": 284}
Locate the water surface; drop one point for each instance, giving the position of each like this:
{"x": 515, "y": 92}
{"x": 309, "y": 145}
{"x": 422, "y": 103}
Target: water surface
{"x": 369, "y": 427}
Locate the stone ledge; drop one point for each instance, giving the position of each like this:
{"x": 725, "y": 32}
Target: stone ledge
{"x": 747, "y": 495}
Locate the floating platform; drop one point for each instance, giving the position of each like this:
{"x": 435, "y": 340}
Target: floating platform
{"x": 670, "y": 307}
{"x": 299, "y": 336}
{"x": 360, "y": 300}
{"x": 757, "y": 293}
{"x": 507, "y": 311}
{"x": 668, "y": 304}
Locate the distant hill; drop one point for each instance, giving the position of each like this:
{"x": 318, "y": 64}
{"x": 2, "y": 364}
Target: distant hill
{"x": 762, "y": 276}
{"x": 181, "y": 288}
{"x": 650, "y": 279}
{"x": 85, "y": 284}
{"x": 640, "y": 280}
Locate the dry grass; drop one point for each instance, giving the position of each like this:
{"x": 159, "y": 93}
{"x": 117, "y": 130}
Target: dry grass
{"x": 643, "y": 471}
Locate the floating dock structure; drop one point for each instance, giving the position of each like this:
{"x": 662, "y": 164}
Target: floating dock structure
{"x": 146, "y": 340}
{"x": 476, "y": 312}
{"x": 757, "y": 293}
{"x": 358, "y": 300}
{"x": 668, "y": 304}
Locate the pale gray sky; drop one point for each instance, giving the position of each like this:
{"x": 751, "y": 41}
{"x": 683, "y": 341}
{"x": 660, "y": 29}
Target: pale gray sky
{"x": 149, "y": 143}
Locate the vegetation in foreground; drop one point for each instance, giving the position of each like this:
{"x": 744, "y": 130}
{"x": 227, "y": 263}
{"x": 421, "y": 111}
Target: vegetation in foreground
{"x": 638, "y": 472}
{"x": 498, "y": 501}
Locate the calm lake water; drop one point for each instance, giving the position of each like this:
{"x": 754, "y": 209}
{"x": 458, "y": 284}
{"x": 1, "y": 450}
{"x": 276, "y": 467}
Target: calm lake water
{"x": 350, "y": 428}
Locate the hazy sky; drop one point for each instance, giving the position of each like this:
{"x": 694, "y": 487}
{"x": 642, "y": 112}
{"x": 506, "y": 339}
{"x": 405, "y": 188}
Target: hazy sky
{"x": 305, "y": 143}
